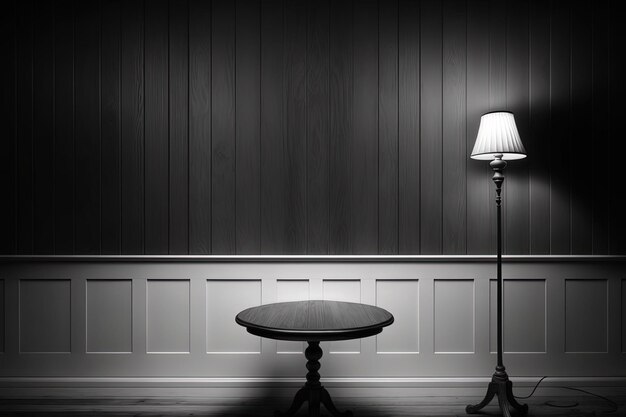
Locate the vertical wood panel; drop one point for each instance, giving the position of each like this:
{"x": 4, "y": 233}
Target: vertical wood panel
{"x": 157, "y": 125}
{"x": 272, "y": 183}
{"x": 517, "y": 101}
{"x": 478, "y": 173}
{"x": 617, "y": 176}
{"x": 409, "y": 127}
{"x": 8, "y": 122}
{"x": 132, "y": 127}
{"x": 178, "y": 127}
{"x": 248, "y": 110}
{"x": 318, "y": 90}
{"x": 341, "y": 125}
{"x": 388, "y": 129}
{"x": 223, "y": 128}
{"x": 64, "y": 127}
{"x": 600, "y": 116}
{"x": 497, "y": 101}
{"x": 294, "y": 126}
{"x": 87, "y": 124}
{"x": 364, "y": 150}
{"x": 308, "y": 127}
{"x": 431, "y": 127}
{"x": 560, "y": 131}
{"x": 43, "y": 132}
{"x": 199, "y": 127}
{"x": 582, "y": 189}
{"x": 24, "y": 105}
{"x": 497, "y": 54}
{"x": 110, "y": 132}
{"x": 539, "y": 130}
{"x": 454, "y": 128}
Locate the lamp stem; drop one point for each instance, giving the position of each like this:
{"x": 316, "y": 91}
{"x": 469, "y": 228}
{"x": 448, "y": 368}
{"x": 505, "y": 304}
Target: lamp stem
{"x": 500, "y": 384}
{"x": 498, "y": 165}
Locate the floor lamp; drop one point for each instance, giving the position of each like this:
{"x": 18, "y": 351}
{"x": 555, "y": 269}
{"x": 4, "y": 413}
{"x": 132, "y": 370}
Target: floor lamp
{"x": 498, "y": 141}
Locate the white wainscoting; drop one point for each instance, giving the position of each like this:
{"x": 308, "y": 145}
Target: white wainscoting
{"x": 119, "y": 320}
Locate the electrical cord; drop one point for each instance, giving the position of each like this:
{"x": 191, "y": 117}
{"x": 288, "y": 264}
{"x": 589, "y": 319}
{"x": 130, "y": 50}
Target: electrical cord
{"x": 610, "y": 402}
{"x": 533, "y": 391}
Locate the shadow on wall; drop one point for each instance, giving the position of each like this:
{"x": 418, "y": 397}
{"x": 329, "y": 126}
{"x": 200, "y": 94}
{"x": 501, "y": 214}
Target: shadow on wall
{"x": 560, "y": 198}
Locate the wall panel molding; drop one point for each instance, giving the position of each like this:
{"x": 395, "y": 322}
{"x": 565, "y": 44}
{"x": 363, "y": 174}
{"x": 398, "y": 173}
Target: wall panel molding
{"x": 109, "y": 321}
{"x": 292, "y": 290}
{"x": 224, "y": 299}
{"x": 525, "y": 309}
{"x": 454, "y": 316}
{"x": 168, "y": 316}
{"x": 402, "y": 296}
{"x": 349, "y": 290}
{"x": 45, "y": 321}
{"x": 586, "y": 315}
{"x": 623, "y": 310}
{"x": 2, "y": 314}
{"x": 190, "y": 306}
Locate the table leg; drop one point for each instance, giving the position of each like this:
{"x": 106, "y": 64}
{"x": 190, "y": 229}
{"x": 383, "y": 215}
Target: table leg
{"x": 313, "y": 391}
{"x": 298, "y": 400}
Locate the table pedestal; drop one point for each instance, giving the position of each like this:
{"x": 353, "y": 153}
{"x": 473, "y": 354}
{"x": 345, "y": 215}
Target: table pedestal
{"x": 313, "y": 391}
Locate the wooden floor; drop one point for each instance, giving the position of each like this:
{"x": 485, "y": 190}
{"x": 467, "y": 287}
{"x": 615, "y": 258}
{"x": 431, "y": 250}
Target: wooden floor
{"x": 231, "y": 407}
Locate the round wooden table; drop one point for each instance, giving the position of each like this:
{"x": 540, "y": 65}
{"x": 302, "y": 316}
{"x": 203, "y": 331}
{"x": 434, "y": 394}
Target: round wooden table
{"x": 313, "y": 322}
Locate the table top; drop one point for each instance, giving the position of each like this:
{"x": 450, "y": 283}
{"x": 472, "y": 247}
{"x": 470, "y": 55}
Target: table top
{"x": 314, "y": 320}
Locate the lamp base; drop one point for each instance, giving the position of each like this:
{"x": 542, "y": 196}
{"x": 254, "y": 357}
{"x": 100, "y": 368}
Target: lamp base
{"x": 501, "y": 386}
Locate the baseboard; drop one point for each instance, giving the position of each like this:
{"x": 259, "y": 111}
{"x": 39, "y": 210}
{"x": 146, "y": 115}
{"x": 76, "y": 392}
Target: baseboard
{"x": 18, "y": 387}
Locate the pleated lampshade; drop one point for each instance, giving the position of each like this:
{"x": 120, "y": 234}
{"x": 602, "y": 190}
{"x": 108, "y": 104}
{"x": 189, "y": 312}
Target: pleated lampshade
{"x": 498, "y": 135}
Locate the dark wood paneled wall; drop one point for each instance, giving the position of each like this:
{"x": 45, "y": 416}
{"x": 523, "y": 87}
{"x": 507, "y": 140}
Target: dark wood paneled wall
{"x": 308, "y": 127}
